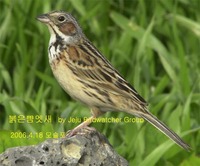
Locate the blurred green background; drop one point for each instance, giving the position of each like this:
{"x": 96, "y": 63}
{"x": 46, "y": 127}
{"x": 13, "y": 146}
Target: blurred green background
{"x": 154, "y": 44}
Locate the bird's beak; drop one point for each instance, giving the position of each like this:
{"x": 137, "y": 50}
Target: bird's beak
{"x": 43, "y": 18}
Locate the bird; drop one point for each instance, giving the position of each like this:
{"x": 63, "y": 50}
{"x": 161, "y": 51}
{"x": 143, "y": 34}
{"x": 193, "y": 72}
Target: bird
{"x": 88, "y": 77}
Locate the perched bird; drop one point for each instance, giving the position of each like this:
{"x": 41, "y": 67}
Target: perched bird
{"x": 87, "y": 76}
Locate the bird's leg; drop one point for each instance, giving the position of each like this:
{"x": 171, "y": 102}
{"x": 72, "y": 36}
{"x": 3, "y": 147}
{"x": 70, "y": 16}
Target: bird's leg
{"x": 95, "y": 113}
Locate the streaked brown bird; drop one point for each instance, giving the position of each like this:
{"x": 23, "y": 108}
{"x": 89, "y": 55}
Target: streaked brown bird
{"x": 87, "y": 76}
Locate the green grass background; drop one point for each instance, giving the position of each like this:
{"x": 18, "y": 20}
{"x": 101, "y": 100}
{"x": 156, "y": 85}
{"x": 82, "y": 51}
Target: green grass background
{"x": 154, "y": 44}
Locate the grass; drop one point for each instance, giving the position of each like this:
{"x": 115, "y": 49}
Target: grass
{"x": 154, "y": 44}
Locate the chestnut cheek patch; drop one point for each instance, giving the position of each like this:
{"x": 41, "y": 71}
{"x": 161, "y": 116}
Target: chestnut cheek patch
{"x": 68, "y": 29}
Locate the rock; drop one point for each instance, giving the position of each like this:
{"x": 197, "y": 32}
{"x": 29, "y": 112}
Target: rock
{"x": 87, "y": 147}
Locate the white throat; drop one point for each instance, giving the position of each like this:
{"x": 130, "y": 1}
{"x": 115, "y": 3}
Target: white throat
{"x": 54, "y": 45}
{"x": 53, "y": 52}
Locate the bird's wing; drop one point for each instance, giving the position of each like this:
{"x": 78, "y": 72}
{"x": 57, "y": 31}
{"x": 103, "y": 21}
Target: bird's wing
{"x": 92, "y": 68}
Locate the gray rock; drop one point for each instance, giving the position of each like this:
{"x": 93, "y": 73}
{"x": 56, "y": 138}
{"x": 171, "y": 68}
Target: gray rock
{"x": 87, "y": 148}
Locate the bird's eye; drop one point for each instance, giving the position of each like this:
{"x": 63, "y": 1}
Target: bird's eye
{"x": 61, "y": 18}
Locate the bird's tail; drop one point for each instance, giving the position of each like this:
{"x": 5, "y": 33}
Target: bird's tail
{"x": 163, "y": 128}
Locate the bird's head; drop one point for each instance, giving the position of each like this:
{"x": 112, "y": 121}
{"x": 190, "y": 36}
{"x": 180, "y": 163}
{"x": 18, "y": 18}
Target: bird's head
{"x": 62, "y": 26}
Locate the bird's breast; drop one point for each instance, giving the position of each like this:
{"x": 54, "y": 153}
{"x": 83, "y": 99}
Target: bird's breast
{"x": 70, "y": 82}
